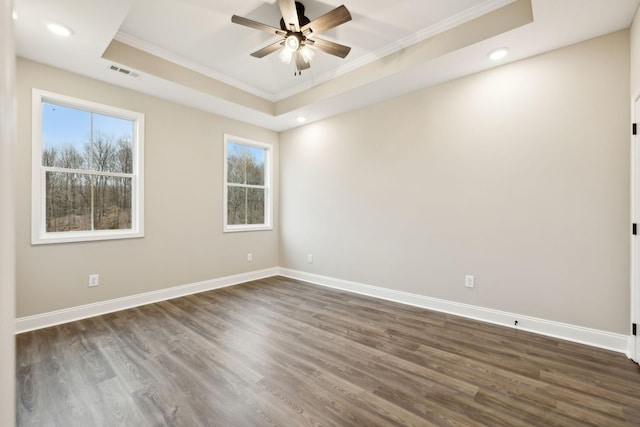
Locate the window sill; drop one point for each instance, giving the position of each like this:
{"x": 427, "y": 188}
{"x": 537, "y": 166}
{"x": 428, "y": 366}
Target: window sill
{"x": 79, "y": 236}
{"x": 242, "y": 228}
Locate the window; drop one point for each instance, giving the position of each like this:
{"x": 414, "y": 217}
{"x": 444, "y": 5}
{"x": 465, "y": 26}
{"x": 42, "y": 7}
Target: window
{"x": 86, "y": 171}
{"x": 247, "y": 182}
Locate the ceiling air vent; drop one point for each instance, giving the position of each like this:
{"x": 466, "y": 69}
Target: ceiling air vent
{"x": 123, "y": 71}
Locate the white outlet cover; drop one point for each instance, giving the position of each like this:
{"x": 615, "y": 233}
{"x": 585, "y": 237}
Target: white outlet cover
{"x": 94, "y": 280}
{"x": 468, "y": 281}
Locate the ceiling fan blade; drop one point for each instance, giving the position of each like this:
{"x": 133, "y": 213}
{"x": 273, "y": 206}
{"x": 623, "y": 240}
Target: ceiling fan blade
{"x": 329, "y": 47}
{"x": 289, "y": 14}
{"x": 329, "y": 20}
{"x": 301, "y": 64}
{"x": 268, "y": 49}
{"x": 257, "y": 25}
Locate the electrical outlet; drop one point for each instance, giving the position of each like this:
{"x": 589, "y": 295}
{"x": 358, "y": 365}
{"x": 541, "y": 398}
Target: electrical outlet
{"x": 310, "y": 259}
{"x": 468, "y": 281}
{"x": 94, "y": 280}
{"x": 249, "y": 257}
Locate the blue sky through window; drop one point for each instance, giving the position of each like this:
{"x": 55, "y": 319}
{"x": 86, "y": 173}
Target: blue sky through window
{"x": 237, "y": 149}
{"x": 63, "y": 126}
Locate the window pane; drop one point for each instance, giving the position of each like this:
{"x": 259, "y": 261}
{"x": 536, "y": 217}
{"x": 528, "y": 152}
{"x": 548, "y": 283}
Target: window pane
{"x": 77, "y": 139}
{"x": 112, "y": 206}
{"x": 68, "y": 201}
{"x": 245, "y": 164}
{"x": 70, "y": 197}
{"x": 245, "y": 206}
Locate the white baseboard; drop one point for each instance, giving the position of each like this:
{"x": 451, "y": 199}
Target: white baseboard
{"x": 593, "y": 337}
{"x": 579, "y": 334}
{"x": 39, "y": 321}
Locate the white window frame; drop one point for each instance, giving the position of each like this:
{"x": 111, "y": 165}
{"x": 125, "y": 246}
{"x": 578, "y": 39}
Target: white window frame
{"x": 268, "y": 199}
{"x": 39, "y": 233}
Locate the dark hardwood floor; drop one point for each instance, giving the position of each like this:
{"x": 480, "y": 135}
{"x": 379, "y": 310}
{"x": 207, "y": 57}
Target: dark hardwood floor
{"x": 277, "y": 352}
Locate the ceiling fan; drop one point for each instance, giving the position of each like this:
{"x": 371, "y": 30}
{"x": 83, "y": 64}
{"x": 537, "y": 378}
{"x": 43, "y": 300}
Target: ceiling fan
{"x": 299, "y": 34}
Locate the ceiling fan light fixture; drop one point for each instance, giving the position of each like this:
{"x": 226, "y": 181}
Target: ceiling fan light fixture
{"x": 286, "y": 55}
{"x": 292, "y": 43}
{"x": 307, "y": 53}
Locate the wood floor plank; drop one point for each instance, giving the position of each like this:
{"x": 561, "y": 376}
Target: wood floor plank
{"x": 279, "y": 352}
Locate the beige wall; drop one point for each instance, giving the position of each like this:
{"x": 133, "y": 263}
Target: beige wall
{"x": 635, "y": 56}
{"x": 184, "y": 242}
{"x": 7, "y": 214}
{"x": 518, "y": 176}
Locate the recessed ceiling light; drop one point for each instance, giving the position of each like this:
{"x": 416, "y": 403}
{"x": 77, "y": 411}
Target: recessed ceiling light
{"x": 14, "y": 15}
{"x": 498, "y": 54}
{"x": 59, "y": 29}
{"x": 301, "y": 119}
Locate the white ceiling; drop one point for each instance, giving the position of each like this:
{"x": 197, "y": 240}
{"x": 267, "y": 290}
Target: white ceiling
{"x": 199, "y": 35}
